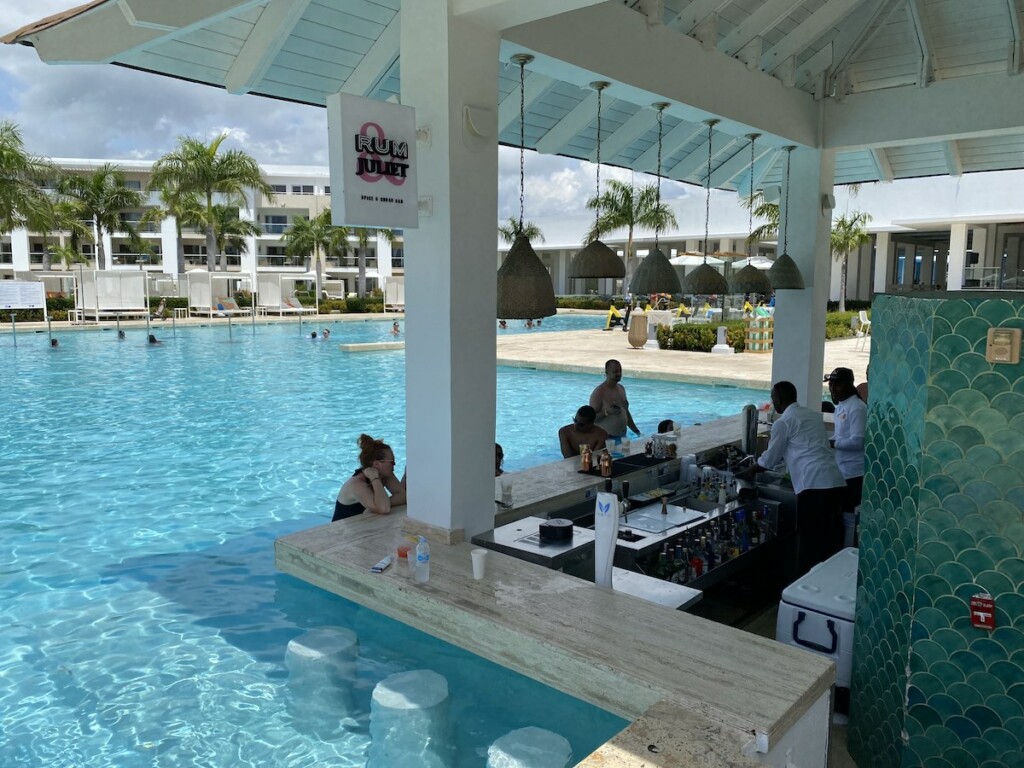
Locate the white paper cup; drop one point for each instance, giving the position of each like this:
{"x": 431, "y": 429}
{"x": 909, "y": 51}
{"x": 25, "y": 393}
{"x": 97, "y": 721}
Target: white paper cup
{"x": 479, "y": 563}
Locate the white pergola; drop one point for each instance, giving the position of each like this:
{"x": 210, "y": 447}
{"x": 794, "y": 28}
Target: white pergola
{"x": 866, "y": 90}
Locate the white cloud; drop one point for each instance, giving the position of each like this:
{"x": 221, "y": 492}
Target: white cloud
{"x": 109, "y": 112}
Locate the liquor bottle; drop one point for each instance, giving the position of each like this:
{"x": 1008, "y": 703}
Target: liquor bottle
{"x": 586, "y": 459}
{"x": 664, "y": 505}
{"x": 606, "y": 464}
{"x": 709, "y": 554}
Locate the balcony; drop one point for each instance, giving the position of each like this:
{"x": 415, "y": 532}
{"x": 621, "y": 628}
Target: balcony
{"x": 131, "y": 259}
{"x": 276, "y": 261}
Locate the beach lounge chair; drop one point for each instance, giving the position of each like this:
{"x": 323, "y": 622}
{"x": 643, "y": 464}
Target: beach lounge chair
{"x": 291, "y": 305}
{"x": 228, "y": 306}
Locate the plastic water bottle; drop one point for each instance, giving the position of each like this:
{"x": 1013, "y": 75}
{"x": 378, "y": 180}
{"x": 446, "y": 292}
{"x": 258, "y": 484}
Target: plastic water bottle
{"x": 421, "y": 572}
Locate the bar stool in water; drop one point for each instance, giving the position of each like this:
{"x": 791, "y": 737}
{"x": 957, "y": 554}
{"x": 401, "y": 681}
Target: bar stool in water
{"x": 529, "y": 748}
{"x": 409, "y": 721}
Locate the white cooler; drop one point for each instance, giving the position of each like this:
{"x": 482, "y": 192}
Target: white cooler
{"x": 816, "y": 612}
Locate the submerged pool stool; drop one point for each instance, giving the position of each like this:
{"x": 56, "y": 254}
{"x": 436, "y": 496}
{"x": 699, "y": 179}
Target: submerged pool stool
{"x": 409, "y": 721}
{"x": 529, "y": 748}
{"x": 321, "y": 673}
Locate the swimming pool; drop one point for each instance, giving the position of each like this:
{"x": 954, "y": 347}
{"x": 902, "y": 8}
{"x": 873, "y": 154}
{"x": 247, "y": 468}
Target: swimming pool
{"x": 143, "y": 488}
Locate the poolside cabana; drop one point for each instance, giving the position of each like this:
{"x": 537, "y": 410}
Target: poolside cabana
{"x": 275, "y": 293}
{"x": 212, "y": 294}
{"x": 394, "y": 294}
{"x": 105, "y": 294}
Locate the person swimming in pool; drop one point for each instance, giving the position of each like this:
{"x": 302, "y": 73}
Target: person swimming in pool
{"x": 373, "y": 487}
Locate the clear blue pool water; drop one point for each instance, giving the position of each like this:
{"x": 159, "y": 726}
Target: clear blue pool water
{"x": 142, "y": 489}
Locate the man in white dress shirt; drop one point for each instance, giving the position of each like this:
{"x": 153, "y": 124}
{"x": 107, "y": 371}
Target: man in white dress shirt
{"x": 798, "y": 438}
{"x": 851, "y": 417}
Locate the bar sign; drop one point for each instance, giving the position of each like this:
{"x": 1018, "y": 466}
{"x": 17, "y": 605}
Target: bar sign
{"x": 983, "y": 611}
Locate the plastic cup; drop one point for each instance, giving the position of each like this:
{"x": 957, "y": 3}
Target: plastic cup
{"x": 479, "y": 563}
{"x": 506, "y": 492}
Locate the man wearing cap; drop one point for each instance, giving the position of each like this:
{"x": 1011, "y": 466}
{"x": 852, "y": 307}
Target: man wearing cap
{"x": 850, "y": 419}
{"x": 798, "y": 437}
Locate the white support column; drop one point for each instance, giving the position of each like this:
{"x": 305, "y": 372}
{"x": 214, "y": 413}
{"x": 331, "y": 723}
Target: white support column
{"x": 384, "y": 266}
{"x": 20, "y": 250}
{"x": 835, "y": 273}
{"x": 799, "y": 354}
{"x": 450, "y": 347}
{"x": 957, "y": 256}
{"x": 979, "y": 240}
{"x": 883, "y": 261}
{"x": 169, "y": 245}
{"x": 562, "y": 259}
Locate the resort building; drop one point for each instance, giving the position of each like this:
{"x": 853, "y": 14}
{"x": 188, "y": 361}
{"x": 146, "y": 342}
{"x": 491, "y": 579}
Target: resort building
{"x": 299, "y": 192}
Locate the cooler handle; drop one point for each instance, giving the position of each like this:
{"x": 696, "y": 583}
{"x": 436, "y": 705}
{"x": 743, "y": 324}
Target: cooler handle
{"x": 800, "y": 616}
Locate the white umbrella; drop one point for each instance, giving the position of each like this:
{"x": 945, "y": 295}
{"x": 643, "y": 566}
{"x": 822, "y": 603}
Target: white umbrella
{"x": 693, "y": 260}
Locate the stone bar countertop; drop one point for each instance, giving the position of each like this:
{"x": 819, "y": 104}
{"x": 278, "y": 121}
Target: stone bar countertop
{"x": 730, "y": 689}
{"x": 548, "y": 488}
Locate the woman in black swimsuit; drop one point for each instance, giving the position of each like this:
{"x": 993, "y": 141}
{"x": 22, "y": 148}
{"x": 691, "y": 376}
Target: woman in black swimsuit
{"x": 373, "y": 487}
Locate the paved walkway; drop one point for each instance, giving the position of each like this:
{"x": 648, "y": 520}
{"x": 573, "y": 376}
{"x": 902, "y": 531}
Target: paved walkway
{"x": 587, "y": 351}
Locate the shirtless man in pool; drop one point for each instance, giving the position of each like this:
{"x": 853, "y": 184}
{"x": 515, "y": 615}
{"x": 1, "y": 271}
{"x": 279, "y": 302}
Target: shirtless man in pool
{"x": 609, "y": 400}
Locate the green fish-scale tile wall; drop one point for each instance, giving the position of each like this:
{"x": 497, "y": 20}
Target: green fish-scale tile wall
{"x": 942, "y": 520}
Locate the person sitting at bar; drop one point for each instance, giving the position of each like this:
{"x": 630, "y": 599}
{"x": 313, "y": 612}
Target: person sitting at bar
{"x": 373, "y": 487}
{"x": 798, "y": 438}
{"x": 666, "y": 425}
{"x": 499, "y": 459}
{"x": 582, "y": 431}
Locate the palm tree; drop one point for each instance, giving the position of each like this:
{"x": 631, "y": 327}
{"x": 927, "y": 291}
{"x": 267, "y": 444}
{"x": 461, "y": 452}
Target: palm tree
{"x": 621, "y": 206}
{"x": 316, "y": 239}
{"x": 231, "y": 230}
{"x": 20, "y": 174}
{"x": 48, "y": 216}
{"x": 363, "y": 235}
{"x": 201, "y": 170}
{"x": 762, "y": 209}
{"x": 185, "y": 209}
{"x": 101, "y": 197}
{"x": 849, "y": 233}
{"x": 510, "y": 230}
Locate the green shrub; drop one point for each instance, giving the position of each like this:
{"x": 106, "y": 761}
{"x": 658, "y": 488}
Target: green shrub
{"x": 333, "y": 305}
{"x": 701, "y": 337}
{"x": 837, "y": 325}
{"x": 582, "y": 302}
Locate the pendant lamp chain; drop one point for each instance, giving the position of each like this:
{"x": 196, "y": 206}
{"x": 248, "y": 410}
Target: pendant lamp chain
{"x": 522, "y": 60}
{"x": 750, "y": 207}
{"x": 598, "y": 86}
{"x": 660, "y": 106}
{"x": 707, "y": 189}
{"x": 785, "y": 223}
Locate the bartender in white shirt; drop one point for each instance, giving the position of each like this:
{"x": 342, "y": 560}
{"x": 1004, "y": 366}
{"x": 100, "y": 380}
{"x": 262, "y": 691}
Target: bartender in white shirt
{"x": 798, "y": 438}
{"x": 851, "y": 417}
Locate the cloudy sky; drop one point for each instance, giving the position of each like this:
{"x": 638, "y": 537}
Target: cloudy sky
{"x": 113, "y": 113}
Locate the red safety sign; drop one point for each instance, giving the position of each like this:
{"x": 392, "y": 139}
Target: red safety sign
{"x": 983, "y": 611}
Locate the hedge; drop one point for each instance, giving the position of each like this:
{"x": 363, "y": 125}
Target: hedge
{"x": 701, "y": 337}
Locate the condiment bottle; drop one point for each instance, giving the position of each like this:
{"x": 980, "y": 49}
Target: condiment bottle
{"x": 664, "y": 505}
{"x": 586, "y": 459}
{"x": 606, "y": 464}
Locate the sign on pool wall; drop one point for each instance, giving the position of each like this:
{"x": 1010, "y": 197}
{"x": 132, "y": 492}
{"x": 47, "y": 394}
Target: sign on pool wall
{"x": 20, "y": 294}
{"x": 373, "y": 162}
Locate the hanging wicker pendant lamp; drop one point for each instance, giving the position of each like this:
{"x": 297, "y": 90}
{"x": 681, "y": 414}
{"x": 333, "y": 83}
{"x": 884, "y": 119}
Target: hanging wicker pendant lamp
{"x": 784, "y": 273}
{"x": 596, "y": 259}
{"x": 655, "y": 274}
{"x": 750, "y": 279}
{"x": 705, "y": 279}
{"x": 524, "y": 286}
